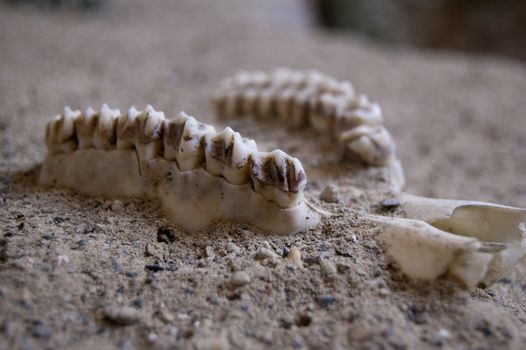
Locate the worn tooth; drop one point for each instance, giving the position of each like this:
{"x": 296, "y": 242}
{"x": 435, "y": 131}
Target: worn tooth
{"x": 228, "y": 154}
{"x": 60, "y": 132}
{"x": 300, "y": 107}
{"x": 105, "y": 135}
{"x": 148, "y": 137}
{"x": 233, "y": 103}
{"x": 284, "y": 103}
{"x": 85, "y": 126}
{"x": 249, "y": 101}
{"x": 219, "y": 101}
{"x": 356, "y": 114}
{"x": 323, "y": 111}
{"x": 187, "y": 146}
{"x": 266, "y": 103}
{"x": 373, "y": 145}
{"x": 278, "y": 177}
{"x": 126, "y": 129}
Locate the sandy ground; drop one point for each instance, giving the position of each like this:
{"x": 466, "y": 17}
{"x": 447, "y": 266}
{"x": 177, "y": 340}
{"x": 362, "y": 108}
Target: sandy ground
{"x": 76, "y": 274}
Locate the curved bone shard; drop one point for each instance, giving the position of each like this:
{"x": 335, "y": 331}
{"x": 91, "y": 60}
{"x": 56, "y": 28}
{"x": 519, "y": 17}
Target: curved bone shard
{"x": 197, "y": 183}
{"x": 426, "y": 252}
{"x": 487, "y": 222}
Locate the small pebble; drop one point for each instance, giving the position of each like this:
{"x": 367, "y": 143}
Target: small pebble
{"x": 131, "y": 274}
{"x": 390, "y": 203}
{"x": 152, "y": 337}
{"x": 232, "y": 248}
{"x": 294, "y": 257}
{"x": 326, "y": 300}
{"x": 10, "y": 232}
{"x": 117, "y": 205}
{"x": 329, "y": 194}
{"x": 327, "y": 267}
{"x": 239, "y": 278}
{"x": 40, "y": 330}
{"x": 154, "y": 267}
{"x": 121, "y": 316}
{"x": 166, "y": 234}
{"x": 265, "y": 253}
{"x": 441, "y": 336}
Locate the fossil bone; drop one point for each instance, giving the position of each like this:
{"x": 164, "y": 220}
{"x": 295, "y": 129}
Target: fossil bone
{"x": 200, "y": 176}
{"x": 310, "y": 98}
{"x": 476, "y": 242}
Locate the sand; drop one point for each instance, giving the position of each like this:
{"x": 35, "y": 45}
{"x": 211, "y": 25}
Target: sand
{"x": 77, "y": 272}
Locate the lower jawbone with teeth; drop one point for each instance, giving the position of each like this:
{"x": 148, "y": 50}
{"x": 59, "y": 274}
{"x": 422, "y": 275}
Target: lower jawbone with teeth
{"x": 475, "y": 242}
{"x": 198, "y": 185}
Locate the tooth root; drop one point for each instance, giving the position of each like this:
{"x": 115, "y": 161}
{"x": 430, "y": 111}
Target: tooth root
{"x": 126, "y": 129}
{"x": 228, "y": 154}
{"x": 266, "y": 103}
{"x": 278, "y": 177}
{"x": 191, "y": 154}
{"x": 60, "y": 132}
{"x": 105, "y": 136}
{"x": 373, "y": 145}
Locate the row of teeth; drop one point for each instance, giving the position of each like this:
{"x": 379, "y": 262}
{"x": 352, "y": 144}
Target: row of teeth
{"x": 309, "y": 99}
{"x": 275, "y": 175}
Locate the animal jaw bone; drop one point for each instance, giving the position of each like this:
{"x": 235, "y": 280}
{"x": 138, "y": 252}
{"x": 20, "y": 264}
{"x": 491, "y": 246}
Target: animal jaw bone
{"x": 200, "y": 176}
{"x": 310, "y": 99}
{"x": 474, "y": 241}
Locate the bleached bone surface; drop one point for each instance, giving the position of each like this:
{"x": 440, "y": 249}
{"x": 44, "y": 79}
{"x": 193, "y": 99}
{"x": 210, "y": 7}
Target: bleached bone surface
{"x": 476, "y": 242}
{"x": 199, "y": 176}
{"x": 310, "y": 98}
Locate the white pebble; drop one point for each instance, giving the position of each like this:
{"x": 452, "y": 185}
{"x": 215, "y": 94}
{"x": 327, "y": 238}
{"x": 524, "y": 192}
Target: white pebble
{"x": 327, "y": 267}
{"x": 116, "y": 205}
{"x": 239, "y": 278}
{"x": 329, "y": 194}
{"x": 265, "y": 253}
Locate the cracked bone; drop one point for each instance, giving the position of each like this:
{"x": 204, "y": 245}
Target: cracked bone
{"x": 197, "y": 186}
{"x": 476, "y": 242}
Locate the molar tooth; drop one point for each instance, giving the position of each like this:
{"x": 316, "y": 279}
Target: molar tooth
{"x": 173, "y": 133}
{"x": 278, "y": 177}
{"x": 284, "y": 103}
{"x": 85, "y": 127}
{"x": 60, "y": 132}
{"x": 148, "y": 133}
{"x": 370, "y": 114}
{"x": 189, "y": 153}
{"x": 126, "y": 128}
{"x": 249, "y": 102}
{"x": 373, "y": 145}
{"x": 228, "y": 154}
{"x": 105, "y": 135}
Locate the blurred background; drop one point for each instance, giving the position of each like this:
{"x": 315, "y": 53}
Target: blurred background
{"x": 487, "y": 26}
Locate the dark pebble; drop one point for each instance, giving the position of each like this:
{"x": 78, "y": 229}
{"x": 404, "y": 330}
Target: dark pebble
{"x": 131, "y": 274}
{"x": 416, "y": 314}
{"x": 154, "y": 267}
{"x": 326, "y": 300}
{"x": 57, "y": 220}
{"x": 138, "y": 303}
{"x": 390, "y": 203}
{"x": 40, "y": 330}
{"x": 10, "y": 232}
{"x": 166, "y": 234}
{"x": 20, "y": 226}
{"x": 286, "y": 252}
{"x": 82, "y": 243}
{"x": 47, "y": 237}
